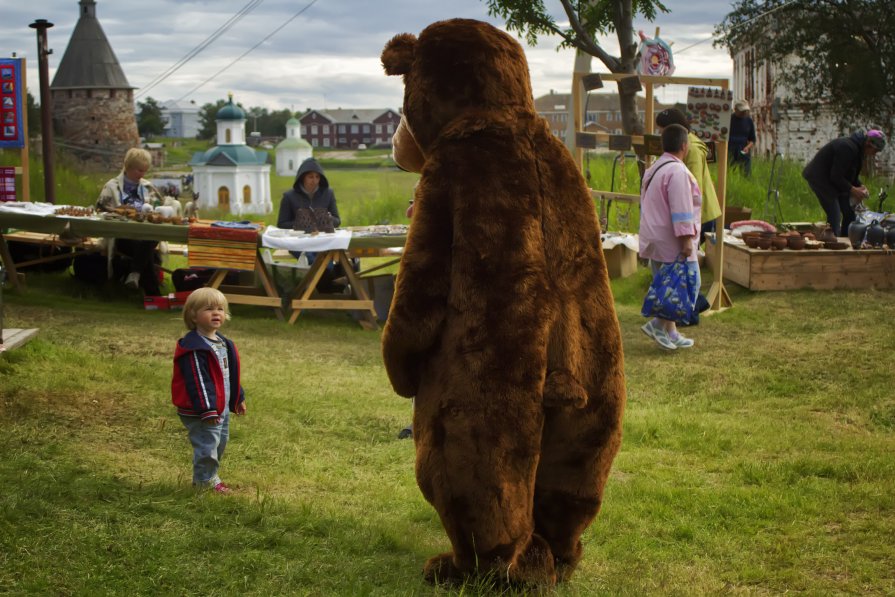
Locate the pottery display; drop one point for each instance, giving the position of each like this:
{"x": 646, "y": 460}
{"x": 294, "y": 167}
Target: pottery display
{"x": 856, "y": 231}
{"x": 890, "y": 237}
{"x": 764, "y": 242}
{"x": 796, "y": 242}
{"x": 752, "y": 240}
{"x": 875, "y": 234}
{"x": 779, "y": 242}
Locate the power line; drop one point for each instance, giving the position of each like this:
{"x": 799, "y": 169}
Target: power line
{"x": 204, "y": 44}
{"x": 737, "y": 26}
{"x": 247, "y": 52}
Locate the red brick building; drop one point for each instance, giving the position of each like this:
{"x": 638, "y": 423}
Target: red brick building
{"x": 348, "y": 129}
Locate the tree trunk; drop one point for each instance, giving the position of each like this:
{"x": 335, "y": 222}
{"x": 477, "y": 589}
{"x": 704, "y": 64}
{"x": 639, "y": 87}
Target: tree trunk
{"x": 624, "y": 27}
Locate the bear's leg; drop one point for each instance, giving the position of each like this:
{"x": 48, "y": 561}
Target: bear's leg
{"x": 476, "y": 465}
{"x": 576, "y": 454}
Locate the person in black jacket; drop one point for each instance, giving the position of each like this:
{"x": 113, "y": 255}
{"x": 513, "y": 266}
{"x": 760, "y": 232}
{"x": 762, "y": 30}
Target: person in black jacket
{"x": 311, "y": 190}
{"x": 834, "y": 176}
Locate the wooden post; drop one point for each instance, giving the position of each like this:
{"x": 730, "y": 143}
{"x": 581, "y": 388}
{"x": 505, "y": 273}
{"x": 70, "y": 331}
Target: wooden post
{"x": 717, "y": 295}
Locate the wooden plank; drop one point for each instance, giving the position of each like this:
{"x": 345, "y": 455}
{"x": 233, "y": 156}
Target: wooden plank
{"x": 822, "y": 269}
{"x": 15, "y": 337}
{"x": 347, "y": 304}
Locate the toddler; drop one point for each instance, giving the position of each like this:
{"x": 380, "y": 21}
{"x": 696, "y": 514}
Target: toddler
{"x": 205, "y": 387}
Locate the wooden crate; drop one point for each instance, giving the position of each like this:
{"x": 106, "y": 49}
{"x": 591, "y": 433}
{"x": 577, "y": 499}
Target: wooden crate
{"x": 621, "y": 261}
{"x": 822, "y": 269}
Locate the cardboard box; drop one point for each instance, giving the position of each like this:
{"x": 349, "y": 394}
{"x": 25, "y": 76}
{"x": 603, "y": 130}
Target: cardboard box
{"x": 156, "y": 303}
{"x": 621, "y": 261}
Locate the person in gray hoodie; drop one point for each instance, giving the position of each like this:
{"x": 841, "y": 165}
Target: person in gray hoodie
{"x": 310, "y": 190}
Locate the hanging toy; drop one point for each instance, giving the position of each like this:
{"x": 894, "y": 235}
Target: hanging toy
{"x": 655, "y": 56}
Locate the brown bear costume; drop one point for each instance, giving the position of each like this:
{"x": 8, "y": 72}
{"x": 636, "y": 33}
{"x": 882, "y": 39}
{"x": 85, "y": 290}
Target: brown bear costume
{"x": 502, "y": 324}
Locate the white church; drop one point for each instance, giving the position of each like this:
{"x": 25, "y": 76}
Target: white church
{"x": 232, "y": 176}
{"x": 292, "y": 150}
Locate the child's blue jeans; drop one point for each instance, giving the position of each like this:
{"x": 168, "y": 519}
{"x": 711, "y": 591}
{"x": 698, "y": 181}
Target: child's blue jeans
{"x": 208, "y": 443}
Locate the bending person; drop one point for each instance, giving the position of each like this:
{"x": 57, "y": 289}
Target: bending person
{"x": 130, "y": 189}
{"x": 834, "y": 176}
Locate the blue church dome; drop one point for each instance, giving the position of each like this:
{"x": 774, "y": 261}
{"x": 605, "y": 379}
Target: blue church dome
{"x": 230, "y": 112}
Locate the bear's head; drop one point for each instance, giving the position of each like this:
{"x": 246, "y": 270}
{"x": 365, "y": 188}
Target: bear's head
{"x": 456, "y": 68}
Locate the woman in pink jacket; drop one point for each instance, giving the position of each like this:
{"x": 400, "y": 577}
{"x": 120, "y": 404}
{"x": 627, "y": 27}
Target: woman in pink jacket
{"x": 670, "y": 209}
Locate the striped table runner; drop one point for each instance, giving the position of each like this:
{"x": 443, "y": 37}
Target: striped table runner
{"x": 222, "y": 248}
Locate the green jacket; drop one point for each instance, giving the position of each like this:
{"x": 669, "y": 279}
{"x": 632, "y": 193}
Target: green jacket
{"x": 696, "y": 164}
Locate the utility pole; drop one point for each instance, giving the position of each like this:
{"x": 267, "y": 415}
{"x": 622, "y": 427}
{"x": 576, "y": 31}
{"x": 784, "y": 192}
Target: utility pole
{"x": 46, "y": 108}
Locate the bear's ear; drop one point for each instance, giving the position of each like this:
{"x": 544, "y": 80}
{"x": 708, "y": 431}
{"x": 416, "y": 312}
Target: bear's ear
{"x": 397, "y": 56}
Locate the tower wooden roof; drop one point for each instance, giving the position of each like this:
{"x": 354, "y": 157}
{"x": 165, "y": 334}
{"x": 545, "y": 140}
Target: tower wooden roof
{"x": 89, "y": 61}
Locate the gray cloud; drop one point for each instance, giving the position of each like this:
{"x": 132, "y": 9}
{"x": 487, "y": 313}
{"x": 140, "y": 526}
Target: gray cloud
{"x": 329, "y": 55}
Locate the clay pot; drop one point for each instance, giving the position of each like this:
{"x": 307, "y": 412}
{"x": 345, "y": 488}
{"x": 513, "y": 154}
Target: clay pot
{"x": 827, "y": 235}
{"x": 856, "y": 232}
{"x": 796, "y": 243}
{"x": 890, "y": 237}
{"x": 752, "y": 240}
{"x": 809, "y": 236}
{"x": 764, "y": 242}
{"x": 876, "y": 235}
{"x": 779, "y": 242}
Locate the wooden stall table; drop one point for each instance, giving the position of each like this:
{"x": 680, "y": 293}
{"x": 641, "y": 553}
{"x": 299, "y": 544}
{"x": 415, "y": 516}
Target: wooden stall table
{"x": 39, "y": 219}
{"x": 344, "y": 245}
{"x": 821, "y": 269}
{"x": 36, "y": 219}
{"x": 226, "y": 249}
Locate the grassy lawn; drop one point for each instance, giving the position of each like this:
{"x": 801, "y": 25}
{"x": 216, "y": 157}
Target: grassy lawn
{"x": 758, "y": 463}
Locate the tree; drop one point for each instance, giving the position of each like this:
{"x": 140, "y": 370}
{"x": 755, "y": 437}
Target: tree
{"x": 587, "y": 19}
{"x": 843, "y": 50}
{"x": 149, "y": 118}
{"x": 207, "y": 127}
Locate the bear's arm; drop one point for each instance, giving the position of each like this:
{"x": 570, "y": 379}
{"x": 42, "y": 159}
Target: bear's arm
{"x": 418, "y": 308}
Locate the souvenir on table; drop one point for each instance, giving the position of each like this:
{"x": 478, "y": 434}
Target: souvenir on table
{"x": 323, "y": 220}
{"x": 304, "y": 220}
{"x": 708, "y": 110}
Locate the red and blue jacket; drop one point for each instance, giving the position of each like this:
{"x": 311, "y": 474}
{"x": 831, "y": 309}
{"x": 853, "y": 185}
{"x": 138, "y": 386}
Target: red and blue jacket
{"x": 197, "y": 386}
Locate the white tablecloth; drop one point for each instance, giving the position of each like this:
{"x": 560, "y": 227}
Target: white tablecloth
{"x": 613, "y": 239}
{"x": 279, "y": 238}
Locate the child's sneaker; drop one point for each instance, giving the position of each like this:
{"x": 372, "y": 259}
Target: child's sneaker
{"x": 659, "y": 335}
{"x": 681, "y": 341}
{"x": 221, "y": 488}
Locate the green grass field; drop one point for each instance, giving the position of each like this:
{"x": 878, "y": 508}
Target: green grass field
{"x": 758, "y": 463}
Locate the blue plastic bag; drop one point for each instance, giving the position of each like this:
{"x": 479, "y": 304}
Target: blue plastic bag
{"x": 672, "y": 294}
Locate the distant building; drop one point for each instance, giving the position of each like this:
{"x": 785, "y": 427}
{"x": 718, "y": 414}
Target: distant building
{"x": 292, "y": 150}
{"x": 346, "y": 129}
{"x": 181, "y": 119}
{"x": 93, "y": 104}
{"x": 603, "y": 112}
{"x": 784, "y": 126}
{"x": 231, "y": 176}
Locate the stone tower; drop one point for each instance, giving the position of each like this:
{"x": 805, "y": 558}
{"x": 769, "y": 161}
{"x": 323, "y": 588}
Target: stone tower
{"x": 93, "y": 104}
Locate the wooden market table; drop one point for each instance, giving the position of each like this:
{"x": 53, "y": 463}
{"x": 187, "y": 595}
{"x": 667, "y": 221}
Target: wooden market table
{"x": 822, "y": 269}
{"x": 21, "y": 225}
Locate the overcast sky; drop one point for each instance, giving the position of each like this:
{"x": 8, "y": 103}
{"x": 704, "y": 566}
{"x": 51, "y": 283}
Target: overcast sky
{"x": 326, "y": 57}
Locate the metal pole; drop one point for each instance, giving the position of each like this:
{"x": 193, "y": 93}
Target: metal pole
{"x": 46, "y": 108}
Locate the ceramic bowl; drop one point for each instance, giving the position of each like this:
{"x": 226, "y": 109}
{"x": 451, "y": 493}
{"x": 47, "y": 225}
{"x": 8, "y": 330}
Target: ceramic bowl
{"x": 764, "y": 242}
{"x": 796, "y": 243}
{"x": 779, "y": 242}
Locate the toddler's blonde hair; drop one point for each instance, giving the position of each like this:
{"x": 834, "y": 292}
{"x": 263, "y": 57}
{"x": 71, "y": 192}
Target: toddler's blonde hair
{"x": 201, "y": 298}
